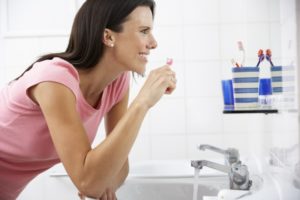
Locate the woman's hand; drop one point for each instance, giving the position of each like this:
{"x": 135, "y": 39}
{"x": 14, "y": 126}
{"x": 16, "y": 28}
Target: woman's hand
{"x": 160, "y": 81}
{"x": 109, "y": 194}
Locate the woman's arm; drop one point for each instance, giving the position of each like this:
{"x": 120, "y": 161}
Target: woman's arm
{"x": 111, "y": 120}
{"x": 91, "y": 170}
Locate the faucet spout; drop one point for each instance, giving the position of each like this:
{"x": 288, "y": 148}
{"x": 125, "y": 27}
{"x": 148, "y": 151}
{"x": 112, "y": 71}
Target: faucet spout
{"x": 199, "y": 164}
{"x": 204, "y": 147}
{"x": 231, "y": 154}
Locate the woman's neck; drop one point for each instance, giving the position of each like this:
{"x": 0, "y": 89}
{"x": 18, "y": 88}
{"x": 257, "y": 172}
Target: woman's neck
{"x": 94, "y": 81}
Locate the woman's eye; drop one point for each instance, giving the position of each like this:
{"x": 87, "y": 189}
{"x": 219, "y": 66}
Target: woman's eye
{"x": 145, "y": 31}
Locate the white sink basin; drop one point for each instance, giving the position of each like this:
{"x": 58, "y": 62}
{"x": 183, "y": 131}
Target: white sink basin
{"x": 174, "y": 180}
{"x": 170, "y": 189}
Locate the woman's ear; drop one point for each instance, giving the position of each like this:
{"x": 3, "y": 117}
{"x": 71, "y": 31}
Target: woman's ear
{"x": 108, "y": 38}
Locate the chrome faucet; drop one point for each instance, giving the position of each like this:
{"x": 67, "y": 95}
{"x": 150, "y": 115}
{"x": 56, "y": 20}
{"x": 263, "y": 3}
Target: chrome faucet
{"x": 238, "y": 173}
{"x": 231, "y": 154}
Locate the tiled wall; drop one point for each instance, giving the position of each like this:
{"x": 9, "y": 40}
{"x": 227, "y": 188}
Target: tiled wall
{"x": 201, "y": 36}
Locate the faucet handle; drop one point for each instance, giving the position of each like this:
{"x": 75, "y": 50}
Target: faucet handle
{"x": 239, "y": 177}
{"x": 238, "y": 173}
{"x": 232, "y": 156}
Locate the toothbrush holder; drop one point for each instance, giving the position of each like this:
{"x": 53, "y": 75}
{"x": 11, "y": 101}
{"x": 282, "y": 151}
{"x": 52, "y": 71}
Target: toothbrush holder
{"x": 245, "y": 87}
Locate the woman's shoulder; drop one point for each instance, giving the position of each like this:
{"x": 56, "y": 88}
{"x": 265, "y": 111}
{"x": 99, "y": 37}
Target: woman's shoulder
{"x": 55, "y": 66}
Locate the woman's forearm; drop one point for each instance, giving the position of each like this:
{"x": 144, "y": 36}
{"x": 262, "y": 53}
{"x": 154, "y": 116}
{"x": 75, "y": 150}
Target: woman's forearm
{"x": 121, "y": 177}
{"x": 107, "y": 159}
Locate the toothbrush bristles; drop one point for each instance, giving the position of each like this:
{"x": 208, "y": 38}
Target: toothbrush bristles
{"x": 234, "y": 63}
{"x": 240, "y": 46}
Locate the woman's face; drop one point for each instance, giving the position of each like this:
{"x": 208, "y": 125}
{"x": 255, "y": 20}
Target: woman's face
{"x": 134, "y": 42}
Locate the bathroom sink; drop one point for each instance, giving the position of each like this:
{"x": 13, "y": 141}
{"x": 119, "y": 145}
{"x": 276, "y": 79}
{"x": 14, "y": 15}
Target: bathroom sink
{"x": 175, "y": 189}
{"x": 174, "y": 180}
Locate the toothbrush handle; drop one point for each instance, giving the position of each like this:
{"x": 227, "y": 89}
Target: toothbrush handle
{"x": 169, "y": 62}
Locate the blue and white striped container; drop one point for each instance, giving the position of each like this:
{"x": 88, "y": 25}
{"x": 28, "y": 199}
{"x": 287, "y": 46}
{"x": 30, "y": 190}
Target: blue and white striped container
{"x": 245, "y": 86}
{"x": 284, "y": 86}
{"x": 276, "y": 75}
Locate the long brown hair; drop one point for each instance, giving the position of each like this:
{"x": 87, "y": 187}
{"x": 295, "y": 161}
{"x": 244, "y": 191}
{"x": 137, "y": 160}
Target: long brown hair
{"x": 85, "y": 47}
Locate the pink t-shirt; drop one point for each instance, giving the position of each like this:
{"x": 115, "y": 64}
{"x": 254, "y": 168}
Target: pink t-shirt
{"x": 26, "y": 148}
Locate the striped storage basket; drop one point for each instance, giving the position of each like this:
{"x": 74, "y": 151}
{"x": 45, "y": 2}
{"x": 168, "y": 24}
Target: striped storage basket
{"x": 284, "y": 86}
{"x": 276, "y": 74}
{"x": 245, "y": 85}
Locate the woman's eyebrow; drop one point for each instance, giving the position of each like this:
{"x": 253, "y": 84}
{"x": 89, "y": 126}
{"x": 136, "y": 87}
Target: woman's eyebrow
{"x": 145, "y": 27}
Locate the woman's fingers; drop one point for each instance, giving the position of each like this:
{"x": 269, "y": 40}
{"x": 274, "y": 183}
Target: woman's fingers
{"x": 172, "y": 85}
{"x": 109, "y": 195}
{"x": 104, "y": 197}
{"x": 160, "y": 81}
{"x": 166, "y": 78}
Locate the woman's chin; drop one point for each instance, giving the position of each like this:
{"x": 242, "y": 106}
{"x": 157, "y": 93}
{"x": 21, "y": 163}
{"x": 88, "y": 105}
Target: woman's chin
{"x": 140, "y": 70}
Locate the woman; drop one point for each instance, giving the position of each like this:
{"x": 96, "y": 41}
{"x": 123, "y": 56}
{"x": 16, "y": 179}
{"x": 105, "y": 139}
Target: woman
{"x": 51, "y": 113}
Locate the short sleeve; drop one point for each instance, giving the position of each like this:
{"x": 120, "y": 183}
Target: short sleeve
{"x": 55, "y": 70}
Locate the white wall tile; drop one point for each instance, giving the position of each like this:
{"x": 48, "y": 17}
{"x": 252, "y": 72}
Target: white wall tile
{"x": 168, "y": 147}
{"x": 141, "y": 149}
{"x": 168, "y": 12}
{"x": 284, "y": 139}
{"x": 200, "y": 12}
{"x": 230, "y": 34}
{"x": 201, "y": 42}
{"x": 194, "y": 140}
{"x": 257, "y": 37}
{"x": 274, "y": 6}
{"x": 168, "y": 117}
{"x": 241, "y": 142}
{"x": 226, "y": 69}
{"x": 287, "y": 10}
{"x": 283, "y": 123}
{"x": 203, "y": 79}
{"x": 13, "y": 72}
{"x": 204, "y": 115}
{"x": 52, "y": 44}
{"x": 288, "y": 40}
{"x": 40, "y": 15}
{"x": 257, "y": 10}
{"x": 232, "y": 11}
{"x": 247, "y": 123}
{"x": 275, "y": 37}
{"x": 170, "y": 43}
{"x": 21, "y": 52}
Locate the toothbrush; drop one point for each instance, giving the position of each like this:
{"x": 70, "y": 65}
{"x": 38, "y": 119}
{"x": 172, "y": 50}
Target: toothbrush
{"x": 234, "y": 63}
{"x": 268, "y": 56}
{"x": 169, "y": 62}
{"x": 261, "y": 57}
{"x": 241, "y": 49}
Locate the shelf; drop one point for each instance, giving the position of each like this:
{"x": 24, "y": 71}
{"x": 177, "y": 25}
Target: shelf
{"x": 232, "y": 110}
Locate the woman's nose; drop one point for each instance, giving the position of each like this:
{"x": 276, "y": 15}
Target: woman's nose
{"x": 152, "y": 43}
